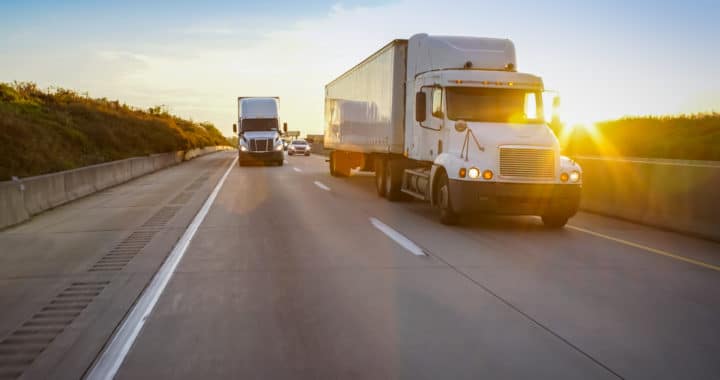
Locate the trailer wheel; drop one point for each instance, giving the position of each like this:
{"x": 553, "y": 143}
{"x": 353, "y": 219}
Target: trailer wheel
{"x": 380, "y": 176}
{"x": 444, "y": 203}
{"x": 553, "y": 220}
{"x": 393, "y": 180}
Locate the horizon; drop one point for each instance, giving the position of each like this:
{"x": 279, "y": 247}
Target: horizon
{"x": 198, "y": 60}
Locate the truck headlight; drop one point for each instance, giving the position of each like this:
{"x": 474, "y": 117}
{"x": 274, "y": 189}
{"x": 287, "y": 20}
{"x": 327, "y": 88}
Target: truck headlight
{"x": 574, "y": 176}
{"x": 243, "y": 148}
{"x": 278, "y": 147}
{"x": 474, "y": 173}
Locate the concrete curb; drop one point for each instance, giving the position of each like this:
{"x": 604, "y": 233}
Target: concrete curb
{"x": 21, "y": 199}
{"x": 677, "y": 196}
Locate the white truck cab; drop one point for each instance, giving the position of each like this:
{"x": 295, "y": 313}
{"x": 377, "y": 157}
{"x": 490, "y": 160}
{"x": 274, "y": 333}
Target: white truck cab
{"x": 258, "y": 130}
{"x": 468, "y": 135}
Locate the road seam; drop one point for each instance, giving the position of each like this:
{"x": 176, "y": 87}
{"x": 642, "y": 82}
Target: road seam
{"x": 526, "y": 315}
{"x": 114, "y": 353}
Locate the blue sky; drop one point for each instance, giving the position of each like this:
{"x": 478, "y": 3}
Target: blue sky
{"x": 606, "y": 59}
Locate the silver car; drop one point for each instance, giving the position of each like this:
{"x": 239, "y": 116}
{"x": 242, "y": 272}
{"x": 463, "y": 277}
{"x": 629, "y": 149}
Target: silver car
{"x": 298, "y": 147}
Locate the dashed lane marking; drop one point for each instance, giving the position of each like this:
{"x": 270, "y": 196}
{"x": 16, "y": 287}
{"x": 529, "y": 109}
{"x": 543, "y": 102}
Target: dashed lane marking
{"x": 398, "y": 237}
{"x": 321, "y": 185}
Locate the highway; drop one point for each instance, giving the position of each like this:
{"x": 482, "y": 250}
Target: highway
{"x": 293, "y": 273}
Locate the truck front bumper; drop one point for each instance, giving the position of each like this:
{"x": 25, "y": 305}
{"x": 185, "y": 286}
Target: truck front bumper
{"x": 514, "y": 198}
{"x": 260, "y": 157}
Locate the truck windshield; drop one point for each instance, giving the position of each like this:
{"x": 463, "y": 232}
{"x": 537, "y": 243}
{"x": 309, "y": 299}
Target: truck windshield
{"x": 494, "y": 105}
{"x": 257, "y": 125}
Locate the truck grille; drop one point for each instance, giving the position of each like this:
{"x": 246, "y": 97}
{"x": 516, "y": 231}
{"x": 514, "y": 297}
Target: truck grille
{"x": 527, "y": 163}
{"x": 261, "y": 145}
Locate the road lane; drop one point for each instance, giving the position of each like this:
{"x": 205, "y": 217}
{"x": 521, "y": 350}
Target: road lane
{"x": 643, "y": 315}
{"x": 285, "y": 281}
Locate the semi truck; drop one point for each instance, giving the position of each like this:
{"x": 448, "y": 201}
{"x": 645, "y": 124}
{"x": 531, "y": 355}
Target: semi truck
{"x": 258, "y": 128}
{"x": 450, "y": 120}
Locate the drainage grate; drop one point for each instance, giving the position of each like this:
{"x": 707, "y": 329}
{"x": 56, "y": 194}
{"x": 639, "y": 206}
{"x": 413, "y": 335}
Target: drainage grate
{"x": 20, "y": 349}
{"x": 182, "y": 198}
{"x": 161, "y": 217}
{"x": 120, "y": 256}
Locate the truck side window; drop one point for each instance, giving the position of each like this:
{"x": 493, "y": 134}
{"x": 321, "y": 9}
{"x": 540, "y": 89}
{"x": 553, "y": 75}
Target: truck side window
{"x": 437, "y": 103}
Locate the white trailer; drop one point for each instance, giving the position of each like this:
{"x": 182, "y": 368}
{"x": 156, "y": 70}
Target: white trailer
{"x": 258, "y": 129}
{"x": 449, "y": 120}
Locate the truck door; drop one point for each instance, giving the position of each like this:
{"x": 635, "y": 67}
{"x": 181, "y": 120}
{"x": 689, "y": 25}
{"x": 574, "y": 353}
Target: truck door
{"x": 427, "y": 141}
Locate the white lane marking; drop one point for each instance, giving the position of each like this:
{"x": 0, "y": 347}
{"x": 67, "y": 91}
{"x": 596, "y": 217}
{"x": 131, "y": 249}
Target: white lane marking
{"x": 321, "y": 185}
{"x": 297, "y": 170}
{"x": 398, "y": 237}
{"x": 109, "y": 361}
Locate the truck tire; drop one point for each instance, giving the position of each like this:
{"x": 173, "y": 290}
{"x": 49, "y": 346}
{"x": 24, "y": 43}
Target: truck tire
{"x": 393, "y": 180}
{"x": 280, "y": 162}
{"x": 338, "y": 168}
{"x": 554, "y": 220}
{"x": 444, "y": 203}
{"x": 380, "y": 177}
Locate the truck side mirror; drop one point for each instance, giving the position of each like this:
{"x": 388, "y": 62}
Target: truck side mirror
{"x": 285, "y": 128}
{"x": 420, "y": 106}
{"x": 234, "y": 128}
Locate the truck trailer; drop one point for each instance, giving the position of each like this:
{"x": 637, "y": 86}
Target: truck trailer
{"x": 258, "y": 129}
{"x": 450, "y": 120}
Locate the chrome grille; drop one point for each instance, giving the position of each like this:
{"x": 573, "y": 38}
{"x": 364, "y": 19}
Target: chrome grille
{"x": 527, "y": 163}
{"x": 261, "y": 145}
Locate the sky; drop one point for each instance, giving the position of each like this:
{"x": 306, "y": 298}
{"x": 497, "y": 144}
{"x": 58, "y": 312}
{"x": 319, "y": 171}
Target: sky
{"x": 606, "y": 59}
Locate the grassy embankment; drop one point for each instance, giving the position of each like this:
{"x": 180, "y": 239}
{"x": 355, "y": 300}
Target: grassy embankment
{"x": 686, "y": 137}
{"x": 59, "y": 129}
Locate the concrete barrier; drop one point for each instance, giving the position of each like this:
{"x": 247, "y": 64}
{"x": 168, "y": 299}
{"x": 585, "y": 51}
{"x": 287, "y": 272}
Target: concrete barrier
{"x": 19, "y": 200}
{"x": 12, "y": 204}
{"x": 44, "y": 192}
{"x": 677, "y": 195}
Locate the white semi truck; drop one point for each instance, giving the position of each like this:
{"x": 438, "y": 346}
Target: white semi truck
{"x": 258, "y": 131}
{"x": 449, "y": 120}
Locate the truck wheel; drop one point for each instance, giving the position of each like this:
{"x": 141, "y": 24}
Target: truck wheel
{"x": 393, "y": 180}
{"x": 444, "y": 203}
{"x": 380, "y": 176}
{"x": 552, "y": 220}
{"x": 280, "y": 163}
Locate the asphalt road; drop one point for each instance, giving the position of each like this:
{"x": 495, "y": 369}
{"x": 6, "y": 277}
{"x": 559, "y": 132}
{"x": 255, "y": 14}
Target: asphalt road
{"x": 296, "y": 274}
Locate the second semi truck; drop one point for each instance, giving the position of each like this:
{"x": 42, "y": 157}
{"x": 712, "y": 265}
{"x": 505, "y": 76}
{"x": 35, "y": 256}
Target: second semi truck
{"x": 258, "y": 131}
{"x": 449, "y": 120}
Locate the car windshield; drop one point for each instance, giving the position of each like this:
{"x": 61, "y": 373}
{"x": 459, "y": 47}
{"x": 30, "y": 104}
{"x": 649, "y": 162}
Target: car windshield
{"x": 299, "y": 142}
{"x": 495, "y": 105}
{"x": 259, "y": 125}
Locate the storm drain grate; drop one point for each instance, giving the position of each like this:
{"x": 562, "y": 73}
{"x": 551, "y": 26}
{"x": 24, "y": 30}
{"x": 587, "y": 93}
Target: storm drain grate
{"x": 117, "y": 258}
{"x": 161, "y": 217}
{"x": 20, "y": 349}
{"x": 182, "y": 198}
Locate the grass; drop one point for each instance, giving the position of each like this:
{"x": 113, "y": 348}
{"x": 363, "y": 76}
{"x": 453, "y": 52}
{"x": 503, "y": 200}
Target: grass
{"x": 688, "y": 137}
{"x": 59, "y": 129}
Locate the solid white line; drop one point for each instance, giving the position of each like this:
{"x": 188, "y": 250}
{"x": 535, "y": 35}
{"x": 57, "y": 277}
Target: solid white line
{"x": 297, "y": 170}
{"x": 321, "y": 185}
{"x": 398, "y": 237}
{"x": 109, "y": 361}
